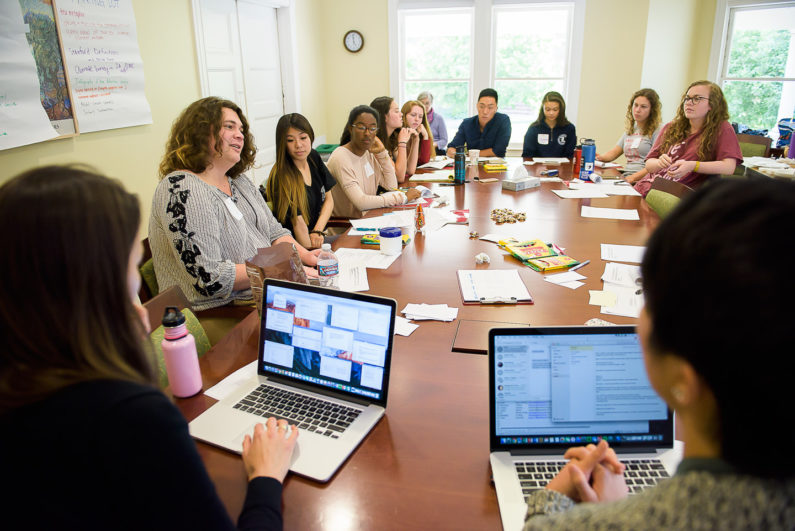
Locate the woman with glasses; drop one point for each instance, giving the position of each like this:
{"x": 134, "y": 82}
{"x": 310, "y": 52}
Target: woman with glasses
{"x": 643, "y": 126}
{"x": 402, "y": 143}
{"x": 436, "y": 121}
{"x": 699, "y": 142}
{"x": 89, "y": 442}
{"x": 299, "y": 185}
{"x": 363, "y": 170}
{"x": 414, "y": 118}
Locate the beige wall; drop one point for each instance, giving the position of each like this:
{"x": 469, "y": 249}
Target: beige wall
{"x": 311, "y": 72}
{"x": 165, "y": 37}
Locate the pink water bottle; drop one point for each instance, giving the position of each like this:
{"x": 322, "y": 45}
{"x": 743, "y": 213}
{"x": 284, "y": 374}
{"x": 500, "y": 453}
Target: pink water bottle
{"x": 179, "y": 353}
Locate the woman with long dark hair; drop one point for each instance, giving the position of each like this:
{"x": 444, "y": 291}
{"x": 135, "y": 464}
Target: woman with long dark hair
{"x": 89, "y": 442}
{"x": 299, "y": 185}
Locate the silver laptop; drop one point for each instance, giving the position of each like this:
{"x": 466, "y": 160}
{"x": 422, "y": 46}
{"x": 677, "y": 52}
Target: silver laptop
{"x": 557, "y": 387}
{"x": 324, "y": 361}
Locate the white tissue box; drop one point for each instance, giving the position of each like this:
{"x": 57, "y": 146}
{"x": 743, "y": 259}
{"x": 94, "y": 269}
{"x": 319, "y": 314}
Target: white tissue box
{"x": 521, "y": 184}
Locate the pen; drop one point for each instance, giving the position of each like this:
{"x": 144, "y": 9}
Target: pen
{"x": 365, "y": 229}
{"x": 582, "y": 264}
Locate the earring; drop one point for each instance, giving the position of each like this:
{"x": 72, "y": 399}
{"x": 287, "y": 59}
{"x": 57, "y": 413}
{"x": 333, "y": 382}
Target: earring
{"x": 678, "y": 394}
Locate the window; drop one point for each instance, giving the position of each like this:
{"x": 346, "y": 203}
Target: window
{"x": 757, "y": 63}
{"x": 523, "y": 50}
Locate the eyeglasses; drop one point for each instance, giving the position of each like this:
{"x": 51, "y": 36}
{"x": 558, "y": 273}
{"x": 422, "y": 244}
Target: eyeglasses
{"x": 695, "y": 100}
{"x": 362, "y": 128}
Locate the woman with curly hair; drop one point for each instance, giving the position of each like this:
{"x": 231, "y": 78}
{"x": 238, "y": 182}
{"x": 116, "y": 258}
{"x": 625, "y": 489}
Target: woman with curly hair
{"x": 699, "y": 142}
{"x": 402, "y": 143}
{"x": 415, "y": 118}
{"x": 299, "y": 185}
{"x": 643, "y": 126}
{"x": 207, "y": 217}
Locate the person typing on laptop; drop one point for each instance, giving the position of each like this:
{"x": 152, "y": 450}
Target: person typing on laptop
{"x": 88, "y": 441}
{"x": 722, "y": 363}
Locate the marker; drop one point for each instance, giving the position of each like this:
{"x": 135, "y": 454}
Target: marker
{"x": 582, "y": 264}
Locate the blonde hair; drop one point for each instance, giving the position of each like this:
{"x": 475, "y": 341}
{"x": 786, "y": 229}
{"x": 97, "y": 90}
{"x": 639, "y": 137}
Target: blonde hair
{"x": 406, "y": 109}
{"x": 679, "y": 128}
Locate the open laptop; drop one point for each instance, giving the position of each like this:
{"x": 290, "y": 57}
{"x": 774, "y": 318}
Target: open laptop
{"x": 557, "y": 387}
{"x": 323, "y": 364}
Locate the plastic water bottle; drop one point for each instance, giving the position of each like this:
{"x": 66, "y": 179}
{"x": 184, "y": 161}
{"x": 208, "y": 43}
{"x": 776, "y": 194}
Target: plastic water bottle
{"x": 179, "y": 353}
{"x": 460, "y": 166}
{"x": 328, "y": 267}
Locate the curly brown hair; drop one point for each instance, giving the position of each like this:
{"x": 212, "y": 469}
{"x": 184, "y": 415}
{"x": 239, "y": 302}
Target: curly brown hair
{"x": 653, "y": 121}
{"x": 679, "y": 129}
{"x": 188, "y": 145}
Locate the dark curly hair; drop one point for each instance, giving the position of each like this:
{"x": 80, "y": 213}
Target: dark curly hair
{"x": 188, "y": 144}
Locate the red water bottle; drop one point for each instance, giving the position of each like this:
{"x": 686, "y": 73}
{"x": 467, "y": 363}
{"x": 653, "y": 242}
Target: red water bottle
{"x": 575, "y": 172}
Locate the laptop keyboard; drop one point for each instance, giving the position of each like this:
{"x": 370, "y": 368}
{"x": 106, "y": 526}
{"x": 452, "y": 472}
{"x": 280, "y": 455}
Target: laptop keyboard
{"x": 639, "y": 474}
{"x": 311, "y": 414}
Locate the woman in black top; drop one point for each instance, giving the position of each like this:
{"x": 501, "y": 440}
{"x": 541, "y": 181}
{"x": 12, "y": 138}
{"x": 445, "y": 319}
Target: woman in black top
{"x": 88, "y": 441}
{"x": 299, "y": 184}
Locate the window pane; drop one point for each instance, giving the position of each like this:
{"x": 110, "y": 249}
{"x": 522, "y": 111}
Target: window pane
{"x": 521, "y": 100}
{"x": 531, "y": 43}
{"x": 760, "y": 43}
{"x": 760, "y": 104}
{"x": 437, "y": 45}
{"x": 450, "y": 100}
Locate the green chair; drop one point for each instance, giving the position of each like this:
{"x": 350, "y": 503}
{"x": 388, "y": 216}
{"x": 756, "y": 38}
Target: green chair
{"x": 752, "y": 146}
{"x": 665, "y": 194}
{"x": 149, "y": 278}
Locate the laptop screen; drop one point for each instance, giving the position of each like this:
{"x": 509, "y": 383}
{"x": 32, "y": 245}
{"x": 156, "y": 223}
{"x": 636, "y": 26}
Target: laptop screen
{"x": 568, "y": 386}
{"x": 327, "y": 339}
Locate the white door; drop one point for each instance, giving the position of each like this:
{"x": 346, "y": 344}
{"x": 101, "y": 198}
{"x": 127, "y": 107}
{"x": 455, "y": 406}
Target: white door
{"x": 222, "y": 64}
{"x": 259, "y": 39}
{"x": 239, "y": 59}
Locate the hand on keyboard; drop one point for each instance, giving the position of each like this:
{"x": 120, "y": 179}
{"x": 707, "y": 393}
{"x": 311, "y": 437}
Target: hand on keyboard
{"x": 268, "y": 453}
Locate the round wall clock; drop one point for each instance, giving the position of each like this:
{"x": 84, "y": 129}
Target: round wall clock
{"x": 353, "y": 41}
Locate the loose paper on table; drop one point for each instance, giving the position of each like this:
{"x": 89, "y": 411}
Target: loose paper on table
{"x": 372, "y": 258}
{"x": 623, "y": 253}
{"x": 442, "y": 176}
{"x": 609, "y": 213}
{"x": 401, "y": 218}
{"x": 481, "y": 285}
{"x": 622, "y": 274}
{"x": 583, "y": 193}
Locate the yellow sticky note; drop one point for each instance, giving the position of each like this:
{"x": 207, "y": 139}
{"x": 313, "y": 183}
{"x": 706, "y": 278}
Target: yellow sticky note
{"x": 602, "y": 298}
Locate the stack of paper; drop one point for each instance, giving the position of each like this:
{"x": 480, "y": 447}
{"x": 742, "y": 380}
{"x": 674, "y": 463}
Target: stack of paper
{"x": 422, "y": 312}
{"x": 438, "y": 163}
{"x": 605, "y": 187}
{"x": 404, "y": 327}
{"x": 569, "y": 279}
{"x": 622, "y": 293}
{"x": 609, "y": 213}
{"x": 623, "y": 253}
{"x": 443, "y": 176}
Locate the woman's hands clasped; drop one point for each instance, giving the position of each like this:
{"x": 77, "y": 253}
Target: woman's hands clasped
{"x": 592, "y": 474}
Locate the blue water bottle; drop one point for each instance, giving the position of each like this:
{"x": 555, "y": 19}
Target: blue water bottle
{"x": 460, "y": 166}
{"x": 588, "y": 158}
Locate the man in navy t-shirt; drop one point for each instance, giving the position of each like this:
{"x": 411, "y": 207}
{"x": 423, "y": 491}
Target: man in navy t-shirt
{"x": 489, "y": 131}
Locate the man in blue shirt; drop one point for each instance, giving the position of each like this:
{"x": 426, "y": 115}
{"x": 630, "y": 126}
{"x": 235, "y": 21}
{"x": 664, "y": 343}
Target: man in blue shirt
{"x": 489, "y": 131}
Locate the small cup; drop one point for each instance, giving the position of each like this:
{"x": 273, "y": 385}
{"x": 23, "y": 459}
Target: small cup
{"x": 391, "y": 240}
{"x": 474, "y": 155}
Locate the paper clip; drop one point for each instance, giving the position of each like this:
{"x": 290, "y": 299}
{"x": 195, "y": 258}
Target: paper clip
{"x": 498, "y": 300}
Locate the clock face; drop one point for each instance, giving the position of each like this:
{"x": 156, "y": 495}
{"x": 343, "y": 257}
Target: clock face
{"x": 353, "y": 41}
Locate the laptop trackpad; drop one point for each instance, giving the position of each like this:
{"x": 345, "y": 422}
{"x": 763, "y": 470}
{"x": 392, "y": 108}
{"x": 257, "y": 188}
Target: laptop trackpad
{"x": 237, "y": 442}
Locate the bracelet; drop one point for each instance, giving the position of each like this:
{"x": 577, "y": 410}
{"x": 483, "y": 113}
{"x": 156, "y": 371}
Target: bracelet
{"x": 321, "y": 232}
{"x": 402, "y": 143}
{"x": 697, "y": 163}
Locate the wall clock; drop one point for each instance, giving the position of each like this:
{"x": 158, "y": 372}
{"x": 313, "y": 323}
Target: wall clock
{"x": 353, "y": 41}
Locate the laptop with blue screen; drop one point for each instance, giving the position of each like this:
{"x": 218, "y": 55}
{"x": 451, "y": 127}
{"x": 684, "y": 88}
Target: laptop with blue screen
{"x": 556, "y": 387}
{"x": 323, "y": 365}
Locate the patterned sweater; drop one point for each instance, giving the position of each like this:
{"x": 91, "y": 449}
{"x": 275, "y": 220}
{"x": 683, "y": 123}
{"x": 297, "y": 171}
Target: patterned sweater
{"x": 198, "y": 234}
{"x": 704, "y": 494}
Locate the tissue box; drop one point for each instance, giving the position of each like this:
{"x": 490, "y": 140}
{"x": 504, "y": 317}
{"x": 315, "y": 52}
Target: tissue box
{"x": 521, "y": 184}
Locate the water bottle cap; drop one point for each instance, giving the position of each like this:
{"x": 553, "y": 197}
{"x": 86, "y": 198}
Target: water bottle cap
{"x": 325, "y": 247}
{"x": 390, "y": 232}
{"x": 587, "y": 141}
{"x": 173, "y": 317}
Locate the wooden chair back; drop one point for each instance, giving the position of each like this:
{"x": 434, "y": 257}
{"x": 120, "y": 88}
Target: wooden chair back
{"x": 754, "y": 145}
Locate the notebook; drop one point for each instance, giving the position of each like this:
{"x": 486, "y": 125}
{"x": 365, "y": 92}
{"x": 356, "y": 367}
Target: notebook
{"x": 557, "y": 387}
{"x": 323, "y": 364}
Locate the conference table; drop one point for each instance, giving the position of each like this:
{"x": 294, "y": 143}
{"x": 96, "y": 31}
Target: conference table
{"x": 425, "y": 464}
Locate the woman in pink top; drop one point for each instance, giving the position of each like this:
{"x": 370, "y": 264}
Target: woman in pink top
{"x": 699, "y": 142}
{"x": 364, "y": 172}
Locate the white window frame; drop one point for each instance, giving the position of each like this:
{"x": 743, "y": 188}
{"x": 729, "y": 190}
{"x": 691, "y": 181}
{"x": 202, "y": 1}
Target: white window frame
{"x": 483, "y": 46}
{"x": 722, "y": 30}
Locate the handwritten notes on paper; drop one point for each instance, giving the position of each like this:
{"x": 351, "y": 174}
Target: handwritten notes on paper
{"x": 100, "y": 49}
{"x": 22, "y": 118}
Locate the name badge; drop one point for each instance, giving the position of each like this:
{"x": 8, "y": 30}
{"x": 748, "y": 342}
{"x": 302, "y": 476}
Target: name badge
{"x": 543, "y": 139}
{"x": 368, "y": 170}
{"x": 232, "y": 208}
{"x": 636, "y": 142}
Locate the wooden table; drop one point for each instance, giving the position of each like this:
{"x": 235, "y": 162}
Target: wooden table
{"x": 425, "y": 465}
